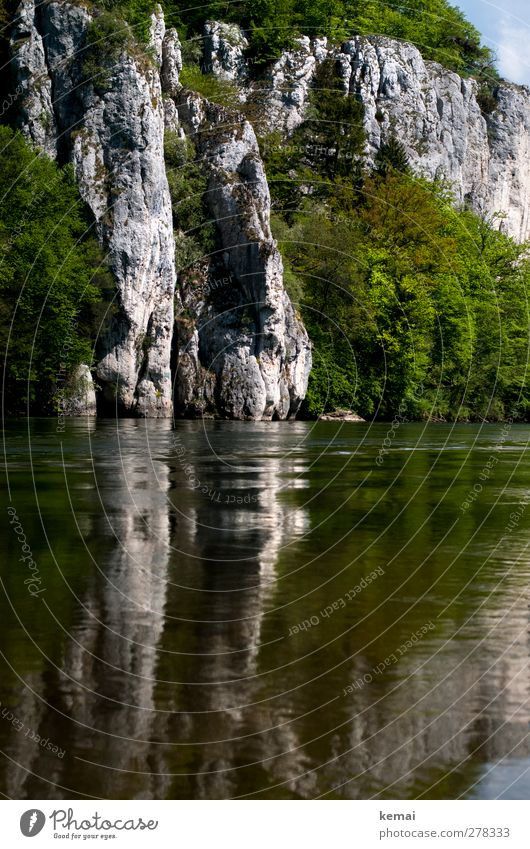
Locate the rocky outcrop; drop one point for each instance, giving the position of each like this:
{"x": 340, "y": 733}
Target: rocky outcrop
{"x": 280, "y": 96}
{"x": 171, "y": 62}
{"x": 288, "y": 83}
{"x": 509, "y": 165}
{"x": 106, "y": 117}
{"x": 36, "y": 115}
{"x": 341, "y": 416}
{"x": 248, "y": 348}
{"x": 433, "y": 112}
{"x": 103, "y": 108}
{"x": 224, "y": 48}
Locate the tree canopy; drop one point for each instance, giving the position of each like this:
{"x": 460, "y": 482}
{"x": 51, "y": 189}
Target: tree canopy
{"x": 52, "y": 275}
{"x": 439, "y": 29}
{"x": 414, "y": 306}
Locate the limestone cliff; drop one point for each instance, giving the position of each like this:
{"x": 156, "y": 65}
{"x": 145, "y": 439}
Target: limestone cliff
{"x": 103, "y": 110}
{"x": 245, "y": 333}
{"x": 111, "y": 127}
{"x": 237, "y": 347}
{"x": 433, "y": 112}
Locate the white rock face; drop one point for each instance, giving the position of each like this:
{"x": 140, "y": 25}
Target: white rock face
{"x": 435, "y": 114}
{"x": 224, "y": 48}
{"x": 112, "y": 129}
{"x": 509, "y": 165}
{"x": 281, "y": 96}
{"x": 288, "y": 82}
{"x": 248, "y": 334}
{"x": 432, "y": 111}
{"x": 36, "y": 115}
{"x": 171, "y": 62}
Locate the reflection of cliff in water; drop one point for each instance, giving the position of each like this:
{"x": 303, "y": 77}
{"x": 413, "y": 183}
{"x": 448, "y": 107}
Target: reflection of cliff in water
{"x": 101, "y": 690}
{"x": 178, "y": 679}
{"x": 167, "y": 557}
{"x": 401, "y": 735}
{"x": 111, "y": 660}
{"x": 436, "y": 712}
{"x": 238, "y": 527}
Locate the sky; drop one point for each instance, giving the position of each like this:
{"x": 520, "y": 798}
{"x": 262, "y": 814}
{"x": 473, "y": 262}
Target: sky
{"x": 505, "y": 27}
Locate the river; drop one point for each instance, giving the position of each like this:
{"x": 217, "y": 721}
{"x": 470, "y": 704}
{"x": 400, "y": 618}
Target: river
{"x": 264, "y": 610}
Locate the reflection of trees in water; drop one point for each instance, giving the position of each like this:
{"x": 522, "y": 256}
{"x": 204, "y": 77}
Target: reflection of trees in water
{"x": 177, "y": 614}
{"x": 406, "y": 736}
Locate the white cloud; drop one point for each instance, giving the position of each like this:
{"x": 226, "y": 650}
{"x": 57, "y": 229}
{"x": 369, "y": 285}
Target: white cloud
{"x": 513, "y": 52}
{"x": 505, "y": 26}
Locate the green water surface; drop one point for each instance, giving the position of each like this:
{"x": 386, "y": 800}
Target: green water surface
{"x": 270, "y": 610}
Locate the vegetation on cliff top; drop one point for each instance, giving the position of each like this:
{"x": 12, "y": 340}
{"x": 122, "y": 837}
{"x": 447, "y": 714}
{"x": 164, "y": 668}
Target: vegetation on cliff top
{"x": 439, "y": 29}
{"x": 415, "y": 308}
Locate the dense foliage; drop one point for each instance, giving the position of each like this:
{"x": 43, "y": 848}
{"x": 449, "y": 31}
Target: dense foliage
{"x": 414, "y": 308}
{"x": 51, "y": 277}
{"x": 195, "y": 235}
{"x": 439, "y": 29}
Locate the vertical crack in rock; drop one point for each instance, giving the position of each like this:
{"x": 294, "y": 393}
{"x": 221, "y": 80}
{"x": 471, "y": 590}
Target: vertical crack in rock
{"x": 249, "y": 341}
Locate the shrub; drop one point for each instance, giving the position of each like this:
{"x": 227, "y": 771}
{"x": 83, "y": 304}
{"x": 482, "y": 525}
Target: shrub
{"x": 195, "y": 234}
{"x": 209, "y": 86}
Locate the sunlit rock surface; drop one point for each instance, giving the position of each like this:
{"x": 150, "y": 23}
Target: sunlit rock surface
{"x": 433, "y": 112}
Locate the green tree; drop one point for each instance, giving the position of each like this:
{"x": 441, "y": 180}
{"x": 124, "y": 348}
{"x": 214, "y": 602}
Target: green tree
{"x": 391, "y": 156}
{"x": 52, "y": 276}
{"x": 414, "y": 308}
